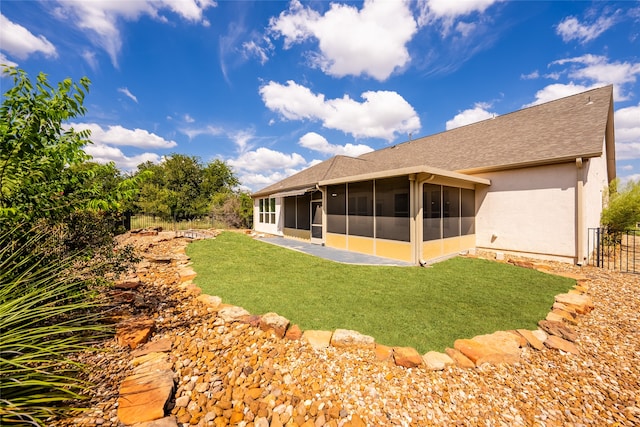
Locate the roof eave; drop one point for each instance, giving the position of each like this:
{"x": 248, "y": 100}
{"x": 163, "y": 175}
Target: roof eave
{"x": 523, "y": 165}
{"x": 406, "y": 171}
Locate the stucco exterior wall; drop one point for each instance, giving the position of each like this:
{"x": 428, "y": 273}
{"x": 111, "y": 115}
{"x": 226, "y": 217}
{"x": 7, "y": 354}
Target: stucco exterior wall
{"x": 529, "y": 211}
{"x": 595, "y": 185}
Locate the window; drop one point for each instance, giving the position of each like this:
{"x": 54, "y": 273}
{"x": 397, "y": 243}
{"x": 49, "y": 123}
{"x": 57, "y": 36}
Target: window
{"x": 392, "y": 209}
{"x": 267, "y": 210}
{"x": 450, "y": 212}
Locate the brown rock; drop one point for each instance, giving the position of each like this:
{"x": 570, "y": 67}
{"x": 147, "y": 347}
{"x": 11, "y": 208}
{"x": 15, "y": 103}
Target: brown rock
{"x": 143, "y": 397}
{"x": 566, "y": 316}
{"x": 383, "y": 352}
{"x": 356, "y": 421}
{"x": 274, "y": 322}
{"x": 461, "y": 360}
{"x": 506, "y": 343}
{"x": 250, "y": 319}
{"x": 210, "y": 301}
{"x": 232, "y": 313}
{"x": 480, "y": 353}
{"x": 532, "y": 340}
{"x": 435, "y": 361}
{"x": 169, "y": 421}
{"x": 407, "y": 357}
{"x": 186, "y": 274}
{"x": 348, "y": 338}
{"x": 134, "y": 332}
{"x": 560, "y": 344}
{"x": 128, "y": 283}
{"x": 582, "y": 304}
{"x": 558, "y": 329}
{"x": 162, "y": 345}
{"x": 317, "y": 339}
{"x": 293, "y": 333}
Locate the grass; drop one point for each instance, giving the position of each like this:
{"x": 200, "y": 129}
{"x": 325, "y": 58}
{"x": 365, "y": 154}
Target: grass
{"x": 425, "y": 308}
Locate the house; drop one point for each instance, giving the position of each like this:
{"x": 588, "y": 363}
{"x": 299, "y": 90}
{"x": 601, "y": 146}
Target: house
{"x": 528, "y": 183}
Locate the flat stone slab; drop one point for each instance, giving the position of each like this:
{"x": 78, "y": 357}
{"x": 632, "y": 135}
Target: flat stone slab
{"x": 480, "y": 353}
{"x": 558, "y": 343}
{"x": 134, "y": 332}
{"x": 232, "y": 313}
{"x": 581, "y": 303}
{"x": 211, "y": 301}
{"x": 348, "y": 338}
{"x": 162, "y": 345}
{"x": 532, "y": 340}
{"x": 318, "y": 340}
{"x": 143, "y": 397}
{"x": 460, "y": 359}
{"x": 558, "y": 329}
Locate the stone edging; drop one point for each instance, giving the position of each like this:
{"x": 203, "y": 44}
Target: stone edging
{"x": 144, "y": 394}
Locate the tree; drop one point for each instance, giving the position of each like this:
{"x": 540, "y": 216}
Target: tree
{"x": 623, "y": 210}
{"x": 232, "y": 209}
{"x": 181, "y": 187}
{"x": 37, "y": 150}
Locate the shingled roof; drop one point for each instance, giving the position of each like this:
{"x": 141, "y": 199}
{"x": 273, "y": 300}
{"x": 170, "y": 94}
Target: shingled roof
{"x": 553, "y": 132}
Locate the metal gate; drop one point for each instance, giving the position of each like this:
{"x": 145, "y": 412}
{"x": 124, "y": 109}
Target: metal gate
{"x": 615, "y": 250}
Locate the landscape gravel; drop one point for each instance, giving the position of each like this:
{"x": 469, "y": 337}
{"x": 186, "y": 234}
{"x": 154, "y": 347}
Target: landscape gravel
{"x": 237, "y": 374}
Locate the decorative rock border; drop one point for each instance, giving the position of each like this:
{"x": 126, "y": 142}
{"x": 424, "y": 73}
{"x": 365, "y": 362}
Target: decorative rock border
{"x": 145, "y": 395}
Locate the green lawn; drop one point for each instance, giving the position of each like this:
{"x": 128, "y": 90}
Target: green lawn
{"x": 425, "y": 308}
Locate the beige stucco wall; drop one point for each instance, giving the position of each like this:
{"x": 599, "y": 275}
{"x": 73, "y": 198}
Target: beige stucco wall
{"x": 529, "y": 211}
{"x": 595, "y": 184}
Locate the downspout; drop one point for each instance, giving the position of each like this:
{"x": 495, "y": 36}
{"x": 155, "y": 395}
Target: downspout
{"x": 579, "y": 211}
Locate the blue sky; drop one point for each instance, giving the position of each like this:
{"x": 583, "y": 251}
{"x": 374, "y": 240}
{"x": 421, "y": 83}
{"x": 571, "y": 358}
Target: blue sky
{"x": 272, "y": 87}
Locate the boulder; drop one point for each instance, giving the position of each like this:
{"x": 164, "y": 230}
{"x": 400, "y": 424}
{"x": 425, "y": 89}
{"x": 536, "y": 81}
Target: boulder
{"x": 169, "y": 421}
{"x": 505, "y": 342}
{"x": 348, "y": 338}
{"x": 540, "y": 334}
{"x": 274, "y": 322}
{"x": 407, "y": 357}
{"x": 435, "y": 361}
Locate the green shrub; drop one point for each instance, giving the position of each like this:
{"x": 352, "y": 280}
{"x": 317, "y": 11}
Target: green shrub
{"x": 47, "y": 313}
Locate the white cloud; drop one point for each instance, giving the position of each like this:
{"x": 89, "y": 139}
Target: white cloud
{"x": 588, "y": 72}
{"x": 556, "y": 91}
{"x": 19, "y": 42}
{"x": 207, "y": 130}
{"x": 316, "y": 142}
{"x": 445, "y": 12}
{"x": 471, "y": 115}
{"x": 118, "y": 135}
{"x": 128, "y": 94}
{"x": 265, "y": 159}
{"x": 382, "y": 114}
{"x": 188, "y": 118}
{"x": 104, "y": 154}
{"x": 627, "y": 128}
{"x": 531, "y": 76}
{"x": 571, "y": 29}
{"x": 100, "y": 18}
{"x": 370, "y": 41}
{"x": 253, "y": 49}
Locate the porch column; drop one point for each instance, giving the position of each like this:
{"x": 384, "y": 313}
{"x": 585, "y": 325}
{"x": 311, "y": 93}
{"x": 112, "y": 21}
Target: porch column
{"x": 580, "y": 258}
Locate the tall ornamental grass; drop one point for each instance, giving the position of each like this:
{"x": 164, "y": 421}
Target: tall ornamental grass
{"x": 47, "y": 314}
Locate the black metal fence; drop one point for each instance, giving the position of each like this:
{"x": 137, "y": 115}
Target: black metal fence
{"x": 136, "y": 221}
{"x": 615, "y": 250}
